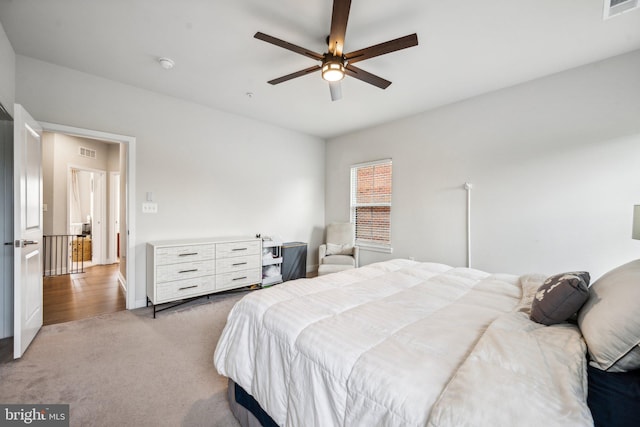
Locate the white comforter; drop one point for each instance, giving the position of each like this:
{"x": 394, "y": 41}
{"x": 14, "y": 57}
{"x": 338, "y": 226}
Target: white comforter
{"x": 402, "y": 343}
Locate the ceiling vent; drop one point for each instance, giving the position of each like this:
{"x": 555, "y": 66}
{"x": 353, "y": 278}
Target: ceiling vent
{"x": 616, "y": 7}
{"x": 87, "y": 152}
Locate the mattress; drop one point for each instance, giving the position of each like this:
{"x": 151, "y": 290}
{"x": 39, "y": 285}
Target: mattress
{"x": 405, "y": 343}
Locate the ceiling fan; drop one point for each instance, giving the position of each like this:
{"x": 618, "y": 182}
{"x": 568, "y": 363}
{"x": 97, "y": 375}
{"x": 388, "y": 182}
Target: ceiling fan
{"x": 335, "y": 64}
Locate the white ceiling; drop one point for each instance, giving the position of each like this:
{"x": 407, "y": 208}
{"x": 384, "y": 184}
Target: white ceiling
{"x": 466, "y": 48}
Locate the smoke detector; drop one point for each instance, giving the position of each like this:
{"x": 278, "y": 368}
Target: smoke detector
{"x": 166, "y": 63}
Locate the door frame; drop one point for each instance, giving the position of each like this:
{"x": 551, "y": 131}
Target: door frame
{"x": 128, "y": 283}
{"x": 6, "y": 225}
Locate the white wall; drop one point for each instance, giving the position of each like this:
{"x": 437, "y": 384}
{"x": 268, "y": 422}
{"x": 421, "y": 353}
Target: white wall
{"x": 555, "y": 165}
{"x": 211, "y": 173}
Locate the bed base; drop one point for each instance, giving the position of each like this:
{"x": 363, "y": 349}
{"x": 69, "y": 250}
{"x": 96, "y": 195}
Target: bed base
{"x": 614, "y": 397}
{"x": 246, "y": 409}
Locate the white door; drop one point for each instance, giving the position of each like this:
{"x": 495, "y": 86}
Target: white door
{"x": 27, "y": 162}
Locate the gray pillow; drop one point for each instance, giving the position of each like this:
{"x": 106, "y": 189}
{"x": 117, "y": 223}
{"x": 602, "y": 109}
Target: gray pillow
{"x": 610, "y": 320}
{"x": 560, "y": 297}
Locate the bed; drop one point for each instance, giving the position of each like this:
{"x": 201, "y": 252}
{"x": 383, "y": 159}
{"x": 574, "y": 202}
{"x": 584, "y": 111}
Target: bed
{"x": 403, "y": 343}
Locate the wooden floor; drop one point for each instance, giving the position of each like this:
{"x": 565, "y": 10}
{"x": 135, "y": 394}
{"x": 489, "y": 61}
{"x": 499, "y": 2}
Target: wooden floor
{"x": 78, "y": 296}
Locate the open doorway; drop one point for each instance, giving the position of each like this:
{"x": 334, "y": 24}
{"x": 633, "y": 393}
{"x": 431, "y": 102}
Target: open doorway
{"x": 81, "y": 214}
{"x": 84, "y": 201}
{"x": 127, "y": 218}
{"x": 125, "y": 269}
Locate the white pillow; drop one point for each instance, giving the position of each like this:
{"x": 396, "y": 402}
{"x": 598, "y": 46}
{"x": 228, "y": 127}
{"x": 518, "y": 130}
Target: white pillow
{"x": 333, "y": 249}
{"x": 610, "y": 320}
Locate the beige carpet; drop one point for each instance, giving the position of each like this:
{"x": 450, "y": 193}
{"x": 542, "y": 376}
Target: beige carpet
{"x": 128, "y": 369}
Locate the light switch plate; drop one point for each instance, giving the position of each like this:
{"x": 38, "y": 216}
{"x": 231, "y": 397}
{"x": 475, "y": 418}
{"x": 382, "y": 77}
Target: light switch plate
{"x": 148, "y": 207}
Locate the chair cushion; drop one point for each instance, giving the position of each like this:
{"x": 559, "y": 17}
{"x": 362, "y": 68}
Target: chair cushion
{"x": 333, "y": 249}
{"x": 339, "y": 260}
{"x": 335, "y": 268}
{"x": 341, "y": 233}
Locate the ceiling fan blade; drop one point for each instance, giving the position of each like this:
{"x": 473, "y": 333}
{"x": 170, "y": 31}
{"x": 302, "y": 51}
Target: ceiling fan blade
{"x": 336, "y": 91}
{"x": 367, "y": 77}
{"x": 382, "y": 48}
{"x": 294, "y": 75}
{"x": 289, "y": 46}
{"x": 339, "y": 19}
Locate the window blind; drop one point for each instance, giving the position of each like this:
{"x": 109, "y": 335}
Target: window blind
{"x": 371, "y": 202}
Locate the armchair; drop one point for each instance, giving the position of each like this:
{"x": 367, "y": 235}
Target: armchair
{"x": 339, "y": 252}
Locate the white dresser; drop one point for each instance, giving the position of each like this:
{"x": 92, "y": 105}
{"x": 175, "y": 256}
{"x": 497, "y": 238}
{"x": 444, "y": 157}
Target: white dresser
{"x": 182, "y": 269}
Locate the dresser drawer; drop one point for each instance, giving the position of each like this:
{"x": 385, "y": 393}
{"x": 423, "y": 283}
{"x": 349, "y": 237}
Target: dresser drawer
{"x": 185, "y": 270}
{"x": 176, "y": 254}
{"x": 238, "y": 279}
{"x": 229, "y": 265}
{"x": 184, "y": 288}
{"x": 234, "y": 249}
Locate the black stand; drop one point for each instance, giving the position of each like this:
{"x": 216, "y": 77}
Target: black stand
{"x": 173, "y": 304}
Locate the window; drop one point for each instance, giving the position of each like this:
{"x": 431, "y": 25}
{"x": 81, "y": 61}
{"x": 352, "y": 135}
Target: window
{"x": 371, "y": 204}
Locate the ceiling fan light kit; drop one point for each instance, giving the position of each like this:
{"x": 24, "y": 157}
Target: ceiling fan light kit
{"x": 333, "y": 70}
{"x": 334, "y": 64}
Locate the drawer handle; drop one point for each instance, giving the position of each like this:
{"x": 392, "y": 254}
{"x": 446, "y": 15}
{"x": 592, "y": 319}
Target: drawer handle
{"x": 188, "y": 271}
{"x": 239, "y": 263}
{"x": 187, "y": 287}
{"x": 240, "y": 278}
{"x": 189, "y": 254}
{"x": 239, "y": 249}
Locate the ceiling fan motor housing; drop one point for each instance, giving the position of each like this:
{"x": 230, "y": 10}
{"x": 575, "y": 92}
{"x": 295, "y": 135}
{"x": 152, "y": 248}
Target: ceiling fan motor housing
{"x": 333, "y": 67}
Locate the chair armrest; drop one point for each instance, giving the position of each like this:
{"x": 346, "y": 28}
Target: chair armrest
{"x": 322, "y": 252}
{"x": 356, "y": 255}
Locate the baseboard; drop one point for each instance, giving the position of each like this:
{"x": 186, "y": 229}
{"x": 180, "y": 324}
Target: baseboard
{"x": 312, "y": 270}
{"x": 122, "y": 281}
